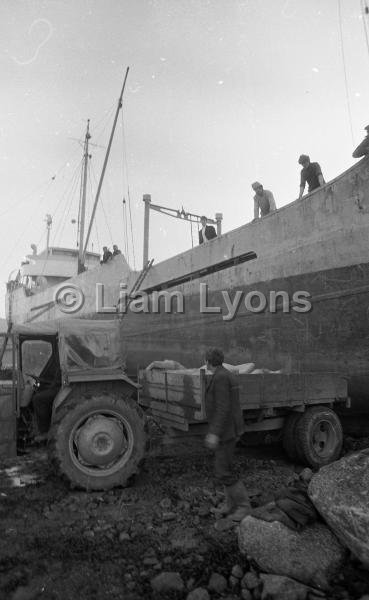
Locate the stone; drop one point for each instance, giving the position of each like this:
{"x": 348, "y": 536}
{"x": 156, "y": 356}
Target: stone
{"x": 124, "y": 536}
{"x": 237, "y": 571}
{"x": 185, "y": 544}
{"x": 250, "y": 581}
{"x": 198, "y": 594}
{"x": 306, "y": 475}
{"x": 340, "y": 492}
{"x": 217, "y": 583}
{"x": 279, "y": 587}
{"x": 169, "y": 516}
{"x": 166, "y": 504}
{"x": 26, "y": 593}
{"x": 224, "y": 525}
{"x": 246, "y": 594}
{"x": 312, "y": 556}
{"x": 233, "y": 581}
{"x": 150, "y": 562}
{"x": 167, "y": 581}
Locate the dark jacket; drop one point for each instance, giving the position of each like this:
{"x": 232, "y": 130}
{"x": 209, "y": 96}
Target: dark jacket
{"x": 222, "y": 405}
{"x": 107, "y": 256}
{"x": 362, "y": 149}
{"x": 209, "y": 232}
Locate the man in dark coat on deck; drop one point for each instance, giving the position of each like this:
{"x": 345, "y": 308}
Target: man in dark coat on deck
{"x": 311, "y": 174}
{"x": 207, "y": 232}
{"x": 363, "y": 148}
{"x": 226, "y": 425}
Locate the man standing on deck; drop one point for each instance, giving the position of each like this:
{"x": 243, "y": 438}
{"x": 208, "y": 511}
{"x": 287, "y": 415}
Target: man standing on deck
{"x": 226, "y": 425}
{"x": 263, "y": 201}
{"x": 363, "y": 148}
{"x": 207, "y": 232}
{"x": 107, "y": 255}
{"x": 311, "y": 174}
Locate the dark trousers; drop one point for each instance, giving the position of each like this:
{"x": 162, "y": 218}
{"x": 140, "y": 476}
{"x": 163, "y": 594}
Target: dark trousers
{"x": 223, "y": 463}
{"x": 43, "y": 406}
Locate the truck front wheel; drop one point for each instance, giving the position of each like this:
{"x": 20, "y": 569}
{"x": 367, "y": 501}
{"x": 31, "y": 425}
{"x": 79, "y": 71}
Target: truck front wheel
{"x": 97, "y": 442}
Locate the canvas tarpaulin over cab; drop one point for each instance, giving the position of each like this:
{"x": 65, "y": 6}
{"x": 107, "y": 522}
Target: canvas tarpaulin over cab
{"x": 84, "y": 344}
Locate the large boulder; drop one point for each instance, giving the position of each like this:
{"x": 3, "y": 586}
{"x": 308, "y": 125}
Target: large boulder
{"x": 311, "y": 556}
{"x": 279, "y": 587}
{"x": 340, "y": 492}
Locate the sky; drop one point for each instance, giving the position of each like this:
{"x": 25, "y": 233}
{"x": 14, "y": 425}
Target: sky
{"x": 220, "y": 93}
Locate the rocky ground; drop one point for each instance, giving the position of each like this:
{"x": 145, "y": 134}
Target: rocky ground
{"x": 155, "y": 539}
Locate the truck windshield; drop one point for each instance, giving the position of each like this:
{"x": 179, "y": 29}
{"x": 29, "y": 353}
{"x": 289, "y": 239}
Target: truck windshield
{"x": 35, "y": 354}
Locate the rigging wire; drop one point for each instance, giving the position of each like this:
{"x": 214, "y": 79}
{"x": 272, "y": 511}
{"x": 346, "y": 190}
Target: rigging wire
{"x": 21, "y": 236}
{"x": 345, "y": 72}
{"x": 39, "y": 189}
{"x": 59, "y": 232}
{"x": 103, "y": 123}
{"x": 130, "y": 219}
{"x": 47, "y": 183}
{"x": 103, "y": 209}
{"x": 125, "y": 226}
{"x": 125, "y": 166}
{"x": 365, "y": 10}
{"x": 97, "y": 238}
{"x": 70, "y": 190}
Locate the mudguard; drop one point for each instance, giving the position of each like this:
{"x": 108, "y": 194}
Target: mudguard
{"x": 60, "y": 397}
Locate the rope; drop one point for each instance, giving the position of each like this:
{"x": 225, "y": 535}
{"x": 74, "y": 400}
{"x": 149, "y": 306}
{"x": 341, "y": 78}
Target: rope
{"x": 345, "y": 72}
{"x": 191, "y": 233}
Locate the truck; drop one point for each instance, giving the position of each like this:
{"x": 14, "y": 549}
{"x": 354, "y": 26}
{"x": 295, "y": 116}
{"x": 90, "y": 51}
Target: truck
{"x": 71, "y": 375}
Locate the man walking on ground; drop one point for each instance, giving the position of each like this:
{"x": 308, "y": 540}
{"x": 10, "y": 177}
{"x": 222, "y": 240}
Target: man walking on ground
{"x": 263, "y": 201}
{"x": 363, "y": 148}
{"x": 311, "y": 174}
{"x": 207, "y": 232}
{"x": 226, "y": 424}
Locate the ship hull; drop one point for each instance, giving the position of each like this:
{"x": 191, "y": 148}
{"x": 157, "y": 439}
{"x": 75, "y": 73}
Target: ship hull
{"x": 317, "y": 245}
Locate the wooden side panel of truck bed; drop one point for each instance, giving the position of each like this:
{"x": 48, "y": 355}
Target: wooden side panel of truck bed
{"x": 177, "y": 397}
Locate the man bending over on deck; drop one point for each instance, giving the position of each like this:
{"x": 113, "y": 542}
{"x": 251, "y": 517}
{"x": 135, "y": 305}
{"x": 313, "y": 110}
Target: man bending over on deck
{"x": 311, "y": 173}
{"x": 263, "y": 201}
{"x": 226, "y": 424}
{"x": 363, "y": 148}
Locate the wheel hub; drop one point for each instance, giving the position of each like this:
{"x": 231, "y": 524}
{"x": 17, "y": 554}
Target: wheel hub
{"x": 323, "y": 438}
{"x": 100, "y": 440}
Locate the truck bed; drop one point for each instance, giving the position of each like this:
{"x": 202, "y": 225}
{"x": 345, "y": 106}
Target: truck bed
{"x": 177, "y": 398}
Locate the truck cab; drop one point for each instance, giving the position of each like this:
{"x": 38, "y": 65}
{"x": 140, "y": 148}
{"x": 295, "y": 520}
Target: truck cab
{"x": 70, "y": 389}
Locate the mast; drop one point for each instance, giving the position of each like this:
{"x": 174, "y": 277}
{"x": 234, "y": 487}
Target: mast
{"x": 104, "y": 166}
{"x": 86, "y": 156}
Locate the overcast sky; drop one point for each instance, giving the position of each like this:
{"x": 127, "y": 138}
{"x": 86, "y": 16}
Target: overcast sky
{"x": 220, "y": 93}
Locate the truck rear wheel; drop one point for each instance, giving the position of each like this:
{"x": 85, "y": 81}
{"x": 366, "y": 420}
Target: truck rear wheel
{"x": 319, "y": 436}
{"x": 97, "y": 442}
{"x": 289, "y": 436}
